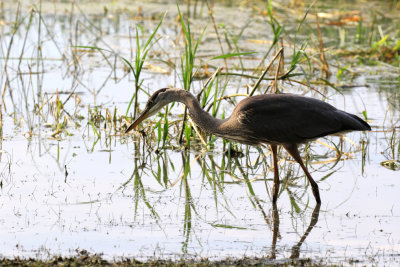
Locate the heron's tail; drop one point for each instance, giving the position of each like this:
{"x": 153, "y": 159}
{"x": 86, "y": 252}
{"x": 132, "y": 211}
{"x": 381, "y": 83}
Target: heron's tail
{"x": 358, "y": 124}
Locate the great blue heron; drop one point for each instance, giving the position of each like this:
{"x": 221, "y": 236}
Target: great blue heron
{"x": 275, "y": 119}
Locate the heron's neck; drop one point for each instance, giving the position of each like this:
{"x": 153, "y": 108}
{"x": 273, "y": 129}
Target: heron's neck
{"x": 202, "y": 118}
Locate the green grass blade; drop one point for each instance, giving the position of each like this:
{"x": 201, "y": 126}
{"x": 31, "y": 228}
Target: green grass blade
{"x": 233, "y": 55}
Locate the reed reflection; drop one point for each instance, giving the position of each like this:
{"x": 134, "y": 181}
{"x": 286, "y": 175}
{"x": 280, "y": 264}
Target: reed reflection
{"x": 221, "y": 173}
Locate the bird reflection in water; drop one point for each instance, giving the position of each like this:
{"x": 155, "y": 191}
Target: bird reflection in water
{"x": 275, "y": 232}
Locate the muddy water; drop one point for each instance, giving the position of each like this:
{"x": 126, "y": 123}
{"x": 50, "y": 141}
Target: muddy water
{"x": 116, "y": 196}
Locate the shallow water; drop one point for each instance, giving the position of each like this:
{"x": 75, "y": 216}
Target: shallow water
{"x": 117, "y": 196}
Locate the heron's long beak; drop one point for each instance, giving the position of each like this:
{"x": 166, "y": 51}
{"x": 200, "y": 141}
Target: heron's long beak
{"x": 138, "y": 120}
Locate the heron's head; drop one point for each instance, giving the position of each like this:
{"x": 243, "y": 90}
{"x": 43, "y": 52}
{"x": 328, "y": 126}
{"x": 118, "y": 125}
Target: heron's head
{"x": 159, "y": 99}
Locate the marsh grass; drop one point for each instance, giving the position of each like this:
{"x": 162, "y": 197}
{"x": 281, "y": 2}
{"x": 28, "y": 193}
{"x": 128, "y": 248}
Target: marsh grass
{"x": 187, "y": 66}
{"x": 102, "y": 123}
{"x": 140, "y": 57}
{"x": 236, "y": 164}
{"x": 369, "y": 42}
{"x": 277, "y": 30}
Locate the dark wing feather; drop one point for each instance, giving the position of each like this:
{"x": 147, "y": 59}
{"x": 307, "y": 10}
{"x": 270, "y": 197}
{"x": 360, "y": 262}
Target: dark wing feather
{"x": 285, "y": 118}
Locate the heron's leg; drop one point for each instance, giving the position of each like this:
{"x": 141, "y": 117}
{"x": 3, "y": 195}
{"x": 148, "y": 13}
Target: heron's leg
{"x": 294, "y": 152}
{"x": 274, "y": 149}
{"x": 275, "y": 221}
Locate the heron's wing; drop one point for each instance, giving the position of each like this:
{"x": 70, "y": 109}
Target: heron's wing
{"x": 290, "y": 118}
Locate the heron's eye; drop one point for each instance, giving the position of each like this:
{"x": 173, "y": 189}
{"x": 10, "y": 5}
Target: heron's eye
{"x": 150, "y": 103}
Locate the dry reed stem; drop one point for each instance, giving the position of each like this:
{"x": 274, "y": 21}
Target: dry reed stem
{"x": 325, "y": 67}
{"x": 278, "y": 70}
{"x": 265, "y": 72}
{"x": 210, "y": 12}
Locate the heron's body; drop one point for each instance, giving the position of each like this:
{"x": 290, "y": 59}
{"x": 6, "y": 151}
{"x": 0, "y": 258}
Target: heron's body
{"x": 274, "y": 119}
{"x": 281, "y": 119}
